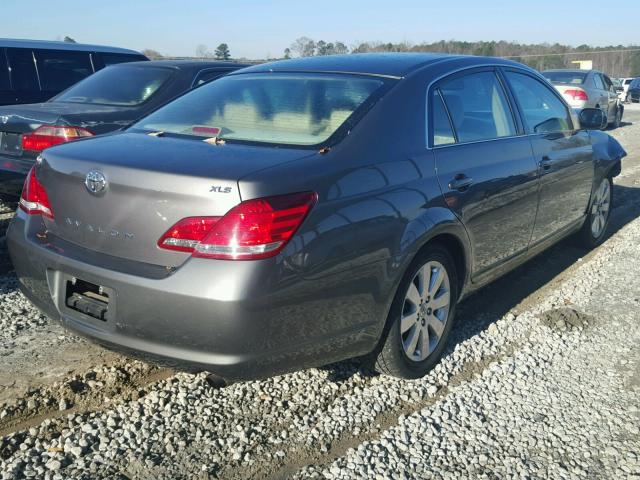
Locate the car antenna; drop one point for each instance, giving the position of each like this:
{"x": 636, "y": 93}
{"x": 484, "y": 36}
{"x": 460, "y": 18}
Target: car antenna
{"x": 324, "y": 150}
{"x": 214, "y": 141}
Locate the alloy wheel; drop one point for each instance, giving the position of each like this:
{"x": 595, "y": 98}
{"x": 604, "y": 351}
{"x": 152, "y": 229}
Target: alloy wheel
{"x": 425, "y": 311}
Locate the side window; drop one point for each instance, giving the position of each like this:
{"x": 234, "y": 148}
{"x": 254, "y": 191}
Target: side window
{"x": 543, "y": 111}
{"x": 113, "y": 58}
{"x": 478, "y": 107}
{"x": 597, "y": 80}
{"x": 442, "y": 130}
{"x": 608, "y": 83}
{"x": 4, "y": 72}
{"x": 23, "y": 71}
{"x": 60, "y": 69}
{"x": 208, "y": 75}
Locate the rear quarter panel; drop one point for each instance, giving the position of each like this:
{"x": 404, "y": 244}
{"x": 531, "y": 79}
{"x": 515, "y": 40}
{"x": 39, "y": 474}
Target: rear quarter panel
{"x": 378, "y": 203}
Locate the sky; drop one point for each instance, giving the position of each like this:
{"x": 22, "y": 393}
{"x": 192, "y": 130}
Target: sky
{"x": 261, "y": 29}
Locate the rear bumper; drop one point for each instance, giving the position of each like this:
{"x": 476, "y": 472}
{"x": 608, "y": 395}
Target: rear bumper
{"x": 239, "y": 320}
{"x": 12, "y": 173}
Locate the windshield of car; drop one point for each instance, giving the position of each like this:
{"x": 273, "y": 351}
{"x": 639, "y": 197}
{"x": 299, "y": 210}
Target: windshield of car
{"x": 575, "y": 78}
{"x": 635, "y": 83}
{"x": 128, "y": 85}
{"x": 277, "y": 108}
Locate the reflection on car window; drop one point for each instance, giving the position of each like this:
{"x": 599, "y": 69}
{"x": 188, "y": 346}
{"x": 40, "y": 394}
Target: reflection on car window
{"x": 478, "y": 107}
{"x": 543, "y": 111}
{"x": 124, "y": 85}
{"x": 61, "y": 69}
{"x": 278, "y": 108}
{"x": 442, "y": 131}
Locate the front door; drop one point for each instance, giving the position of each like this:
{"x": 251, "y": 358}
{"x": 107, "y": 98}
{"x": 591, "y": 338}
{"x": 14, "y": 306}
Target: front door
{"x": 485, "y": 167}
{"x": 564, "y": 155}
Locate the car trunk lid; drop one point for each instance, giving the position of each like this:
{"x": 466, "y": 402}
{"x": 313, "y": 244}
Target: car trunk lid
{"x": 151, "y": 183}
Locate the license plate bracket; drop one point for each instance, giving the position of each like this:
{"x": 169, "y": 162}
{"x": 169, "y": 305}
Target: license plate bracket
{"x": 11, "y": 143}
{"x": 87, "y": 298}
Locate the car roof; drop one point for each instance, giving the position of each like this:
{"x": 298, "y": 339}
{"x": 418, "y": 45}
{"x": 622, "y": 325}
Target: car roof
{"x": 183, "y": 64}
{"x": 56, "y": 45}
{"x": 395, "y": 65}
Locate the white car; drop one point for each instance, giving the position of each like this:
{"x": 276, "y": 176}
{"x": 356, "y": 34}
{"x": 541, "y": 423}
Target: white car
{"x": 624, "y": 83}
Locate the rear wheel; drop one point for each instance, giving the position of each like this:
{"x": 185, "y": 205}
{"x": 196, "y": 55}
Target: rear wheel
{"x": 421, "y": 316}
{"x": 618, "y": 120}
{"x": 595, "y": 227}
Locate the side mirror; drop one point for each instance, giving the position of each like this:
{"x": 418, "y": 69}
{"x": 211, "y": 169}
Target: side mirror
{"x": 592, "y": 119}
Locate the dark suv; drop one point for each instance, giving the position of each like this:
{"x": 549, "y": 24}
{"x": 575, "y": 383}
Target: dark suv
{"x": 33, "y": 71}
{"x": 633, "y": 94}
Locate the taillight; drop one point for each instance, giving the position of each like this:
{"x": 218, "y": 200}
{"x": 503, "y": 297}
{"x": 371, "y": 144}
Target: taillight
{"x": 577, "y": 94}
{"x": 47, "y": 136}
{"x": 252, "y": 230}
{"x": 34, "y": 199}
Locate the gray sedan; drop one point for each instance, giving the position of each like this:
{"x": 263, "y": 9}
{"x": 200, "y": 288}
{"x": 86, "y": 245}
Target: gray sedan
{"x": 302, "y": 212}
{"x": 588, "y": 89}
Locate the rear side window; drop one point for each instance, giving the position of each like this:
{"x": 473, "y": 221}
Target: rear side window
{"x": 125, "y": 85}
{"x": 276, "y": 108}
{"x": 23, "y": 70}
{"x": 478, "y": 107}
{"x": 113, "y": 58}
{"x": 61, "y": 69}
{"x": 542, "y": 110}
{"x": 4, "y": 72}
{"x": 207, "y": 76}
{"x": 597, "y": 81}
{"x": 442, "y": 131}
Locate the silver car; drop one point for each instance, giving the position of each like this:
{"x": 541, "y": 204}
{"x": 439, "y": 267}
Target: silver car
{"x": 588, "y": 89}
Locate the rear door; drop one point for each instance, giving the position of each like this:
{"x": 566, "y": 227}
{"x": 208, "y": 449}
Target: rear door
{"x": 563, "y": 154}
{"x": 59, "y": 69}
{"x": 612, "y": 99}
{"x": 602, "y": 95}
{"x": 484, "y": 165}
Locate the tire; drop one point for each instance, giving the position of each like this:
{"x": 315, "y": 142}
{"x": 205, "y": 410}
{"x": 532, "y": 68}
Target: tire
{"x": 593, "y": 234}
{"x": 618, "y": 120}
{"x": 421, "y": 322}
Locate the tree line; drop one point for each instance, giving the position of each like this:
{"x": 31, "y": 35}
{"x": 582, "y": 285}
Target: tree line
{"x": 615, "y": 60}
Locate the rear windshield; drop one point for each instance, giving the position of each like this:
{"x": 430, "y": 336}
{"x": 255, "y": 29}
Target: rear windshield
{"x": 576, "y": 78}
{"x": 277, "y": 108}
{"x": 124, "y": 85}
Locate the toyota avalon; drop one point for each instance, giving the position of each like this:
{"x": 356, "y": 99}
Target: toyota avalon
{"x": 302, "y": 212}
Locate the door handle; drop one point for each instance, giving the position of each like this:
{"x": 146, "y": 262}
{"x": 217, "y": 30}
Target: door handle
{"x": 460, "y": 182}
{"x": 546, "y": 163}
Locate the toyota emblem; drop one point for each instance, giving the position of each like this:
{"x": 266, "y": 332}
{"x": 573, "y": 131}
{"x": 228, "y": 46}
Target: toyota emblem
{"x": 95, "y": 182}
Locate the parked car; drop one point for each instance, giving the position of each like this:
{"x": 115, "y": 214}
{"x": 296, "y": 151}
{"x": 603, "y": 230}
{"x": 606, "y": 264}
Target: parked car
{"x": 633, "y": 93}
{"x": 302, "y": 212}
{"x": 588, "y": 89}
{"x": 34, "y": 70}
{"x": 106, "y": 101}
{"x": 624, "y": 83}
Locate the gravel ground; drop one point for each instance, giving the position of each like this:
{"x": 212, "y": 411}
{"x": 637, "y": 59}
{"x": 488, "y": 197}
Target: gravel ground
{"x": 544, "y": 383}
